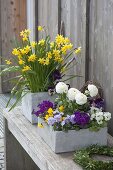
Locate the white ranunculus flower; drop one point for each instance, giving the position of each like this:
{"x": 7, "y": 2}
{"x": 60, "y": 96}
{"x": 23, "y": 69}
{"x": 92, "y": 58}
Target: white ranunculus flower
{"x": 81, "y": 98}
{"x": 72, "y": 92}
{"x": 61, "y": 87}
{"x": 92, "y": 90}
{"x": 99, "y": 116}
{"x": 107, "y": 116}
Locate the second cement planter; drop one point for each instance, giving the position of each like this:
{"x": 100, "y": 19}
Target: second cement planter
{"x": 30, "y": 102}
{"x": 72, "y": 140}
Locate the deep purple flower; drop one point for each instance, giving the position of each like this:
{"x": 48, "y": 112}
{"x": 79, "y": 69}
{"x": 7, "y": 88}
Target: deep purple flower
{"x": 43, "y": 107}
{"x": 99, "y": 103}
{"x": 56, "y": 75}
{"x": 81, "y": 118}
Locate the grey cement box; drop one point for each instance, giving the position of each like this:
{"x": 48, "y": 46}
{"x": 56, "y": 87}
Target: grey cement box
{"x": 72, "y": 140}
{"x": 30, "y": 102}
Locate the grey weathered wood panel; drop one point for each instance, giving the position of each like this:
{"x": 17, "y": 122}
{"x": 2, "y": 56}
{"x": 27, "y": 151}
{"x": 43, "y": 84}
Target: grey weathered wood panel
{"x": 73, "y": 15}
{"x": 12, "y": 21}
{"x": 48, "y": 16}
{"x": 101, "y": 49}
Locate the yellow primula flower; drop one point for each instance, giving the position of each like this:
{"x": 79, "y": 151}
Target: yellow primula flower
{"x": 15, "y": 51}
{"x": 21, "y": 62}
{"x": 33, "y": 44}
{"x": 61, "y": 108}
{"x": 49, "y": 55}
{"x": 40, "y": 28}
{"x": 32, "y": 58}
{"x": 26, "y": 68}
{"x": 41, "y": 42}
{"x": 78, "y": 50}
{"x": 27, "y": 49}
{"x": 41, "y": 60}
{"x": 46, "y": 117}
{"x": 50, "y": 110}
{"x": 40, "y": 125}
{"x": 8, "y": 62}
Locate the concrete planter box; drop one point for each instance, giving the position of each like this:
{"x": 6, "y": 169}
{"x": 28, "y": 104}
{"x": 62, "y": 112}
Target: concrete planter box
{"x": 30, "y": 102}
{"x": 72, "y": 140}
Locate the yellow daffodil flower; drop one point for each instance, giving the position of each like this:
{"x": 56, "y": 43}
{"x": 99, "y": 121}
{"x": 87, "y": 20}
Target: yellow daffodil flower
{"x": 78, "y": 50}
{"x": 22, "y": 51}
{"x": 27, "y": 49}
{"x": 49, "y": 55}
{"x": 40, "y": 125}
{"x": 21, "y": 62}
{"x": 26, "y": 68}
{"x": 61, "y": 108}
{"x": 41, "y": 42}
{"x": 52, "y": 44}
{"x": 41, "y": 60}
{"x": 33, "y": 44}
{"x": 8, "y": 62}
{"x": 46, "y": 62}
{"x": 25, "y": 38}
{"x": 32, "y": 58}
{"x": 59, "y": 39}
{"x": 40, "y": 28}
{"x": 15, "y": 51}
{"x": 56, "y": 53}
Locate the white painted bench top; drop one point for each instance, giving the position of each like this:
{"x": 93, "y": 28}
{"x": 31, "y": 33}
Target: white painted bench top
{"x": 38, "y": 150}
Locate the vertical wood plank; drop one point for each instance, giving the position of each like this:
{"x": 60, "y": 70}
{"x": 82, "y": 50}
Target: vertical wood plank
{"x": 13, "y": 20}
{"x": 74, "y": 17}
{"x": 101, "y": 49}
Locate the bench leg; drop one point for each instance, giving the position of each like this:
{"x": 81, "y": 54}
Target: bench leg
{"x": 15, "y": 156}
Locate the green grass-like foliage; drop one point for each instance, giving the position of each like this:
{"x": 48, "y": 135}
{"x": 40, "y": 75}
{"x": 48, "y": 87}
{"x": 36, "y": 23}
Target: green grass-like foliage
{"x": 83, "y": 158}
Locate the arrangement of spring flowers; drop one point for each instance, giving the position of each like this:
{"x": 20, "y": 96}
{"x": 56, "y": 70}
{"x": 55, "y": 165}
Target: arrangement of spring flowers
{"x": 74, "y": 110}
{"x": 40, "y": 64}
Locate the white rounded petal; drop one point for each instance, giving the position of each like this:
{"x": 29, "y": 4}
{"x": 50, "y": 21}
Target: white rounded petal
{"x": 61, "y": 87}
{"x": 93, "y": 90}
{"x": 107, "y": 116}
{"x": 99, "y": 116}
{"x": 92, "y": 116}
{"x": 72, "y": 92}
{"x": 81, "y": 98}
{"x": 99, "y": 122}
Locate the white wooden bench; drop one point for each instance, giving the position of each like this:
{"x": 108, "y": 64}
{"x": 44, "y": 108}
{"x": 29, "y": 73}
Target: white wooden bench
{"x": 25, "y": 150}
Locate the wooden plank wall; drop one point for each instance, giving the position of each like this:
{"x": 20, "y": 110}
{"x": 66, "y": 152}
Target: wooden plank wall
{"x": 13, "y": 20}
{"x": 101, "y": 49}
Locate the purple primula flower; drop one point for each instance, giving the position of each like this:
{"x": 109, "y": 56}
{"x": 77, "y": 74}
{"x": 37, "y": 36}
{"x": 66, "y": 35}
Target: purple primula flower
{"x": 51, "y": 121}
{"x": 66, "y": 120}
{"x": 57, "y": 117}
{"x": 72, "y": 119}
{"x": 43, "y": 107}
{"x": 56, "y": 75}
{"x": 99, "y": 103}
{"x": 81, "y": 118}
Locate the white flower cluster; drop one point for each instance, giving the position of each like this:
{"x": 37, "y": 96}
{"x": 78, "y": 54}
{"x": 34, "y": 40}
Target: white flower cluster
{"x": 99, "y": 116}
{"x": 72, "y": 93}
